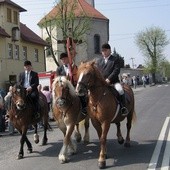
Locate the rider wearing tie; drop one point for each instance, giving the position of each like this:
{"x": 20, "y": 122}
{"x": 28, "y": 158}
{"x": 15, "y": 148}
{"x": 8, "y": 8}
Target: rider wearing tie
{"x": 29, "y": 80}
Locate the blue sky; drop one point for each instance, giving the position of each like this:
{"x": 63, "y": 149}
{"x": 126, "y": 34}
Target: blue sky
{"x": 127, "y": 17}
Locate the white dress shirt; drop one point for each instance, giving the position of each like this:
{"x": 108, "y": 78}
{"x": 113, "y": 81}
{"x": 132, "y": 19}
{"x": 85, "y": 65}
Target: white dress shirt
{"x": 27, "y": 78}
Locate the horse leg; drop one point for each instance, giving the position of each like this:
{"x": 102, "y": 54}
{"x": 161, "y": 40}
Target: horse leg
{"x": 29, "y": 150}
{"x": 103, "y": 155}
{"x": 102, "y": 130}
{"x": 128, "y": 125}
{"x": 22, "y": 141}
{"x": 36, "y": 136}
{"x": 77, "y": 134}
{"x": 86, "y": 138}
{"x": 45, "y": 139}
{"x": 63, "y": 156}
{"x": 119, "y": 134}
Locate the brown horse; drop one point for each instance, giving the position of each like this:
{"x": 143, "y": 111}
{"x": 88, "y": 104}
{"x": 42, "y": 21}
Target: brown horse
{"x": 21, "y": 115}
{"x": 104, "y": 106}
{"x": 66, "y": 111}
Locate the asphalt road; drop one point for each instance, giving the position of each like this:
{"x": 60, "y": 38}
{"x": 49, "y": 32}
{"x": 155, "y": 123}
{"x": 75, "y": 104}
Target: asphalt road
{"x": 150, "y": 141}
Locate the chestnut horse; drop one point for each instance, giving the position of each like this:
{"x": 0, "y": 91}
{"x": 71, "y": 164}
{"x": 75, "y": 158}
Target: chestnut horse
{"x": 21, "y": 114}
{"x": 66, "y": 111}
{"x": 104, "y": 106}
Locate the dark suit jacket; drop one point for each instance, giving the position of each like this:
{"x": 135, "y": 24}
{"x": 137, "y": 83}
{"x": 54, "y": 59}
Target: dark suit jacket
{"x": 60, "y": 71}
{"x": 110, "y": 70}
{"x": 34, "y": 80}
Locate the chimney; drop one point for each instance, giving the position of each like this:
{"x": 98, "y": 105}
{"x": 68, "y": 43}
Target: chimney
{"x": 91, "y": 2}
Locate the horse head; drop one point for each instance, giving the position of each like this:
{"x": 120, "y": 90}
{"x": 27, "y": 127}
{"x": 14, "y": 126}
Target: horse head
{"x": 19, "y": 96}
{"x": 62, "y": 91}
{"x": 88, "y": 75}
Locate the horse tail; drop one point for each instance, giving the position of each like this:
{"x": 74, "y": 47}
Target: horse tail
{"x": 134, "y": 117}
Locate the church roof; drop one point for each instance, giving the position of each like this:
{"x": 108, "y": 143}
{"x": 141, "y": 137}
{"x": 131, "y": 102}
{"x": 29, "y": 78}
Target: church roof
{"x": 82, "y": 8}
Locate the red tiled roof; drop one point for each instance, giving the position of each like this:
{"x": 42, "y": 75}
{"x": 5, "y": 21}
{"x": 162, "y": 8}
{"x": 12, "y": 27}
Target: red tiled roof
{"x": 3, "y": 33}
{"x": 13, "y": 4}
{"x": 82, "y": 8}
{"x": 30, "y": 36}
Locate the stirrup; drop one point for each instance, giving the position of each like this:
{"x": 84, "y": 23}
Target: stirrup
{"x": 124, "y": 111}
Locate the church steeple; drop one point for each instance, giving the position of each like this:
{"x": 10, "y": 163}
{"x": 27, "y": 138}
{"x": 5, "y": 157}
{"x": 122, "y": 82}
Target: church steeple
{"x": 91, "y": 2}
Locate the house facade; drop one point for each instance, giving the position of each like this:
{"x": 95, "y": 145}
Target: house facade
{"x": 98, "y": 34}
{"x": 17, "y": 44}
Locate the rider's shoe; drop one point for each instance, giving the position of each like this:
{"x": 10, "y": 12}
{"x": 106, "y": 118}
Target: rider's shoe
{"x": 124, "y": 111}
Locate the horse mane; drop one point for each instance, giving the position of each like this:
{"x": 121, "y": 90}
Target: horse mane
{"x": 65, "y": 82}
{"x": 91, "y": 66}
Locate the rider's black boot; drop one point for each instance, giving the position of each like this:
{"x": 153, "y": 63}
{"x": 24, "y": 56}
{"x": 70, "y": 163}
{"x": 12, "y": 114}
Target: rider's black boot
{"x": 124, "y": 110}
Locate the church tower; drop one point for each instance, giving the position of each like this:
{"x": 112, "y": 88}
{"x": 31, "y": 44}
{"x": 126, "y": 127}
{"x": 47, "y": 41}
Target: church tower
{"x": 91, "y": 2}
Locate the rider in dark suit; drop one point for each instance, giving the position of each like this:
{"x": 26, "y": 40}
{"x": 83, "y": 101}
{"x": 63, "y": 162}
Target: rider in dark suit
{"x": 110, "y": 69}
{"x": 63, "y": 70}
{"x": 29, "y": 80}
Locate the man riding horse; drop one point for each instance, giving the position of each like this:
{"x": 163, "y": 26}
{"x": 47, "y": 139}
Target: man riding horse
{"x": 29, "y": 80}
{"x": 110, "y": 69}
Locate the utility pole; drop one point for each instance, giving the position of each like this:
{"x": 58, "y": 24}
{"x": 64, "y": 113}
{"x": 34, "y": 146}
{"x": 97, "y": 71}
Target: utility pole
{"x": 132, "y": 62}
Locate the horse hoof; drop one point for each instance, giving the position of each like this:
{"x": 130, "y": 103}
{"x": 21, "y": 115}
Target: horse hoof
{"x": 44, "y": 142}
{"x": 127, "y": 145}
{"x": 20, "y": 156}
{"x": 121, "y": 141}
{"x": 29, "y": 150}
{"x": 36, "y": 138}
{"x": 63, "y": 159}
{"x": 102, "y": 165}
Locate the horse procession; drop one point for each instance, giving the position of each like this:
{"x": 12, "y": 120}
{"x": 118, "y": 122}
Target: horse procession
{"x": 103, "y": 110}
{"x": 103, "y": 106}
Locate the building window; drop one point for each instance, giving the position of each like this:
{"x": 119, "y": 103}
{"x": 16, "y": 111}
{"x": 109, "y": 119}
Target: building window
{"x": 96, "y": 44}
{"x": 15, "y": 17}
{"x": 16, "y": 50}
{"x": 36, "y": 54}
{"x": 10, "y": 51}
{"x": 24, "y": 53}
{"x": 9, "y": 15}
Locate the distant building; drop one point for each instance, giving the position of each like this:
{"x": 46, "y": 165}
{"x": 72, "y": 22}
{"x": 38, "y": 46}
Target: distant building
{"x": 98, "y": 34}
{"x": 17, "y": 44}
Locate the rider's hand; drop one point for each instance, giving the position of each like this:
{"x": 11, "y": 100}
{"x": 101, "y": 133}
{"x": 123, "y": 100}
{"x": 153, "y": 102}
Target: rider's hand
{"x": 107, "y": 81}
{"x": 29, "y": 89}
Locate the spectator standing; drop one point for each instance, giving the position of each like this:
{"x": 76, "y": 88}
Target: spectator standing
{"x": 144, "y": 81}
{"x": 7, "y": 99}
{"x": 48, "y": 96}
{"x": 134, "y": 82}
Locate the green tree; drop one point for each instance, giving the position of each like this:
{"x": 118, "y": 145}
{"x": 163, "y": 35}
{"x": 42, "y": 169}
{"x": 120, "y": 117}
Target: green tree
{"x": 152, "y": 43}
{"x": 165, "y": 68}
{"x": 68, "y": 21}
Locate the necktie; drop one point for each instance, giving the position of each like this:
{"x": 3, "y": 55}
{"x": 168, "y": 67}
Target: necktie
{"x": 27, "y": 77}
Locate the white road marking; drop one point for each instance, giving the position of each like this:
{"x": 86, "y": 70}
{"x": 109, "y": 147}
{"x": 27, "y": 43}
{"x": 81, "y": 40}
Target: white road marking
{"x": 155, "y": 155}
{"x": 166, "y": 158}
